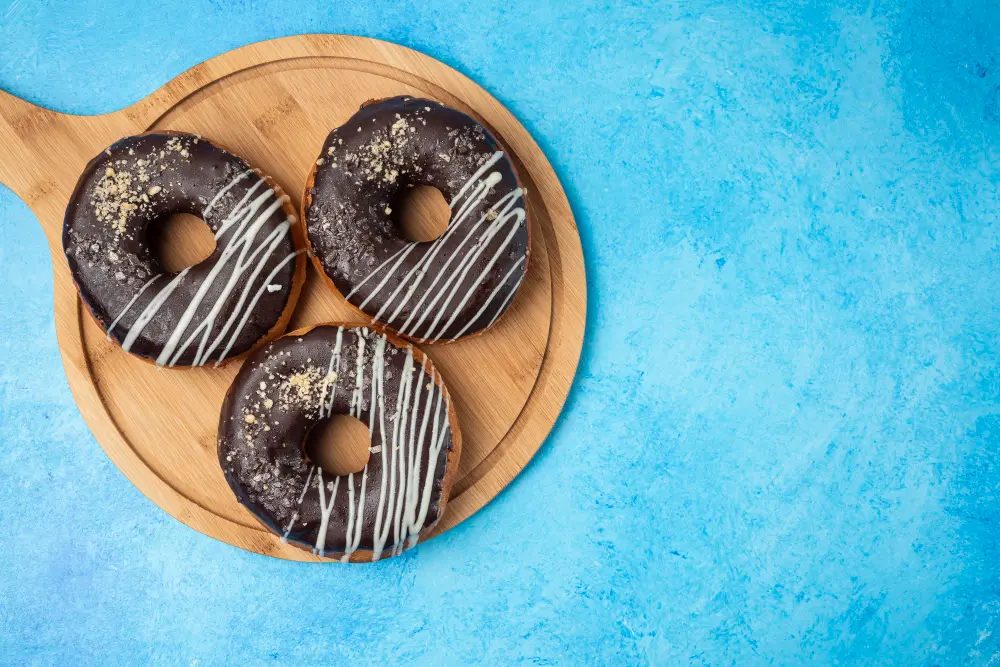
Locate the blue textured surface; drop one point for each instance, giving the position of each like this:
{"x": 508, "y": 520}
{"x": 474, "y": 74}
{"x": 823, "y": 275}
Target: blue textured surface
{"x": 782, "y": 443}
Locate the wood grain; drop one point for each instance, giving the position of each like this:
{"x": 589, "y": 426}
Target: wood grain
{"x": 274, "y": 102}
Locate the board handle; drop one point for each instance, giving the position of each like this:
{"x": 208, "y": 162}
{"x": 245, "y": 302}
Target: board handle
{"x": 42, "y": 153}
{"x": 21, "y": 123}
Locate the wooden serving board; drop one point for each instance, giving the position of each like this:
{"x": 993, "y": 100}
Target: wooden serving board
{"x": 274, "y": 103}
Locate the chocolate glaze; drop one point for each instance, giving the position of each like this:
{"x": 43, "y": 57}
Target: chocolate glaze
{"x": 141, "y": 180}
{"x": 454, "y": 286}
{"x": 291, "y": 385}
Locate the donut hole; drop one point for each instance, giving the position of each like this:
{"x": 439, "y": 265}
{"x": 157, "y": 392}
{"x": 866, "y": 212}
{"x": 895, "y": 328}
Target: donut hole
{"x": 180, "y": 240}
{"x": 423, "y": 213}
{"x": 339, "y": 445}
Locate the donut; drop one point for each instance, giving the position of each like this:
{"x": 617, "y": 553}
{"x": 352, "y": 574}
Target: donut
{"x": 454, "y": 286}
{"x": 240, "y": 296}
{"x": 289, "y": 386}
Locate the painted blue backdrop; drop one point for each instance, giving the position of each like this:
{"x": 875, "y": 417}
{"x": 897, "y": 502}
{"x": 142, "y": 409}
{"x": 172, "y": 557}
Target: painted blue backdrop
{"x": 782, "y": 443}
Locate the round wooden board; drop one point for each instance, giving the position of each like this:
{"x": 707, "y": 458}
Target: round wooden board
{"x": 274, "y": 103}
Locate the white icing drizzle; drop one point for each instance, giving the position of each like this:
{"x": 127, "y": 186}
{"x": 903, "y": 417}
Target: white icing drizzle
{"x": 231, "y": 218}
{"x": 476, "y": 176}
{"x": 474, "y": 200}
{"x": 355, "y": 515}
{"x": 241, "y": 240}
{"x": 325, "y": 510}
{"x": 388, "y": 275}
{"x": 506, "y": 301}
{"x": 493, "y": 294}
{"x": 221, "y": 193}
{"x": 469, "y": 198}
{"x": 249, "y": 309}
{"x": 378, "y": 268}
{"x": 326, "y": 408}
{"x": 469, "y": 261}
{"x": 151, "y": 309}
{"x": 295, "y": 515}
{"x": 246, "y": 219}
{"x": 384, "y": 524}
{"x": 130, "y": 303}
{"x": 438, "y": 440}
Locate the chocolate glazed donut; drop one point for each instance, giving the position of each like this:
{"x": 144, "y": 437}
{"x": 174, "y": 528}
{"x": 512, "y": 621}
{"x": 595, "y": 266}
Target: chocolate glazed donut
{"x": 291, "y": 385}
{"x": 441, "y": 290}
{"x": 241, "y": 295}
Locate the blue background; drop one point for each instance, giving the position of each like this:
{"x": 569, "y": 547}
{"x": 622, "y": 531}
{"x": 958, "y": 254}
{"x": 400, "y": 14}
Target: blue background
{"x": 782, "y": 443}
